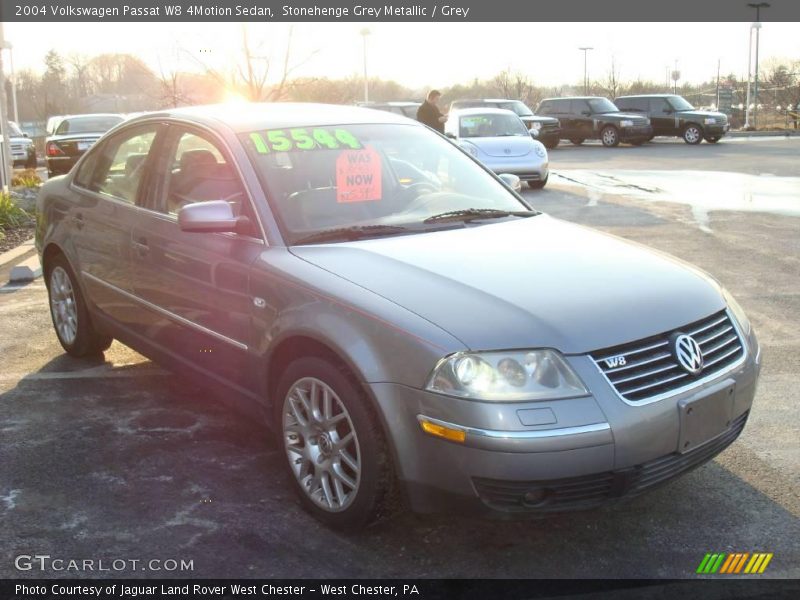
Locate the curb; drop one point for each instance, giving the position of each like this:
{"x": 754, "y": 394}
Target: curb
{"x": 787, "y": 133}
{"x": 28, "y": 270}
{"x": 15, "y": 253}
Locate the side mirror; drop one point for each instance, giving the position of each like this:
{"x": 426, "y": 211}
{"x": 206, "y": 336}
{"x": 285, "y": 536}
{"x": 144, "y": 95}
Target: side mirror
{"x": 586, "y": 113}
{"x": 25, "y": 135}
{"x": 511, "y": 181}
{"x": 213, "y": 216}
{"x": 668, "y": 111}
{"x": 450, "y": 135}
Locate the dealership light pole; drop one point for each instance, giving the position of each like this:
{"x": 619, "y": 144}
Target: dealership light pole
{"x": 585, "y": 50}
{"x": 364, "y": 33}
{"x": 9, "y": 46}
{"x": 5, "y": 150}
{"x": 757, "y": 25}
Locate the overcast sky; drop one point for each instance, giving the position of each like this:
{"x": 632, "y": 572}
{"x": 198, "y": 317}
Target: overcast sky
{"x": 425, "y": 54}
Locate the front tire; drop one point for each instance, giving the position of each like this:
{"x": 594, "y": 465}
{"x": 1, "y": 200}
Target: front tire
{"x": 609, "y": 136}
{"x": 537, "y": 185}
{"x": 577, "y": 141}
{"x": 71, "y": 320}
{"x": 550, "y": 144}
{"x": 692, "y": 134}
{"x": 336, "y": 454}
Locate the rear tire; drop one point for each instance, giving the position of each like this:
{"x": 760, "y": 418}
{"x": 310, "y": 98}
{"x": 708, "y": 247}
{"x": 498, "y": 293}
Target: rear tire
{"x": 577, "y": 141}
{"x": 71, "y": 319}
{"x": 692, "y": 134}
{"x": 550, "y": 144}
{"x": 337, "y": 457}
{"x": 609, "y": 136}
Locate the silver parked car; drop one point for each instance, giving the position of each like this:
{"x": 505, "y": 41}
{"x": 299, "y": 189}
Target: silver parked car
{"x": 405, "y": 322}
{"x": 501, "y": 141}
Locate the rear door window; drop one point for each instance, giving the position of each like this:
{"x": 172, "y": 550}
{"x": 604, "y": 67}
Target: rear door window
{"x": 118, "y": 167}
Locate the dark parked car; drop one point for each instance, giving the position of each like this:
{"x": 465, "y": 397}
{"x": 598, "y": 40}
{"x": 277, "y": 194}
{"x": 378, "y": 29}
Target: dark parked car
{"x": 401, "y": 319}
{"x": 404, "y": 108}
{"x": 674, "y": 116}
{"x": 547, "y": 129}
{"x": 593, "y": 117}
{"x": 72, "y": 136}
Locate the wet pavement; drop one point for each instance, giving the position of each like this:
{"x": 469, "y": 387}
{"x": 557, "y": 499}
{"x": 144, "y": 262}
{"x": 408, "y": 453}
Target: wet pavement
{"x": 119, "y": 459}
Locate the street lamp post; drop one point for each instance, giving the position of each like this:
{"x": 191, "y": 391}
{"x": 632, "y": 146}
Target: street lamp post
{"x": 364, "y": 33}
{"x": 757, "y": 26}
{"x": 585, "y": 50}
{"x": 5, "y": 150}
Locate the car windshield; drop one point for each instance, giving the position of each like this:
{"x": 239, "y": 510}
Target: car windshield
{"x": 14, "y": 130}
{"x": 679, "y": 103}
{"x": 89, "y": 124}
{"x": 381, "y": 179}
{"x": 490, "y": 125}
{"x": 602, "y": 105}
{"x": 518, "y": 107}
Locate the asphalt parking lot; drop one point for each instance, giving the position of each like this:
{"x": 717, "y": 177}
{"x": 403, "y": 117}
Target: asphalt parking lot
{"x": 118, "y": 459}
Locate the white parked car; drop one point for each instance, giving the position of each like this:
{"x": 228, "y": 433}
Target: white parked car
{"x": 500, "y": 140}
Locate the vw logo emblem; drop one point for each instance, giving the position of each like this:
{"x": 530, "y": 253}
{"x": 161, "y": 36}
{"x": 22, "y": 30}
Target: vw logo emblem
{"x": 688, "y": 353}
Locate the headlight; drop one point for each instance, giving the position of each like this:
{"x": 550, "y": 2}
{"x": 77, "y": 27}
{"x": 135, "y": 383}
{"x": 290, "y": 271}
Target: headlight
{"x": 709, "y": 120}
{"x": 540, "y": 151}
{"x": 506, "y": 376}
{"x": 738, "y": 312}
{"x": 626, "y": 123}
{"x": 536, "y": 126}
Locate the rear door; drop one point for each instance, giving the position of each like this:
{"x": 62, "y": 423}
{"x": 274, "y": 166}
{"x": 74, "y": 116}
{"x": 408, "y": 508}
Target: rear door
{"x": 196, "y": 285}
{"x": 662, "y": 117}
{"x": 582, "y": 123}
{"x": 108, "y": 184}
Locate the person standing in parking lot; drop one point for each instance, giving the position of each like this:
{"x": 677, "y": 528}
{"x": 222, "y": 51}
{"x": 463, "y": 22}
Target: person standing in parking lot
{"x": 429, "y": 114}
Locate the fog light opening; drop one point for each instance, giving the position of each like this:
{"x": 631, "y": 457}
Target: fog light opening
{"x": 535, "y": 497}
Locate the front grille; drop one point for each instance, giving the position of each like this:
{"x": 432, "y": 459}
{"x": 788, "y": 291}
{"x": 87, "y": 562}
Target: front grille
{"x": 588, "y": 491}
{"x": 17, "y": 148}
{"x": 647, "y": 368}
{"x": 549, "y": 126}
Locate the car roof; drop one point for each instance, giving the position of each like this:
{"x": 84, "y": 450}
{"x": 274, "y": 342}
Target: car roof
{"x": 576, "y": 98}
{"x": 92, "y": 115}
{"x": 486, "y": 100}
{"x": 646, "y": 96}
{"x": 481, "y": 110}
{"x": 255, "y": 116}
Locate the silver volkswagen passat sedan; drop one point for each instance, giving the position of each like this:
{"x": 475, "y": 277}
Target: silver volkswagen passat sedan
{"x": 404, "y": 321}
{"x": 501, "y": 141}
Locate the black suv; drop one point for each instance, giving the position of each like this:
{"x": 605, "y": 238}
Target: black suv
{"x": 547, "y": 129}
{"x": 593, "y": 117}
{"x": 672, "y": 115}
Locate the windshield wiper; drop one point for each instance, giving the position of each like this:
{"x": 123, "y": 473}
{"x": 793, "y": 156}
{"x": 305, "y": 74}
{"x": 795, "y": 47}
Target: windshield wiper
{"x": 470, "y": 214}
{"x": 354, "y": 232}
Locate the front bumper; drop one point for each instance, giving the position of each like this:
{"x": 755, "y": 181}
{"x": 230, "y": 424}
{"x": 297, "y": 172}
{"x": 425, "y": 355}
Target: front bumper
{"x": 716, "y": 130}
{"x": 633, "y": 134}
{"x": 526, "y": 172}
{"x": 573, "y": 454}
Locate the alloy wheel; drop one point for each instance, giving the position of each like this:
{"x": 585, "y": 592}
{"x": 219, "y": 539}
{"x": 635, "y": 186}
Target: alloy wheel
{"x": 63, "y": 305}
{"x": 321, "y": 444}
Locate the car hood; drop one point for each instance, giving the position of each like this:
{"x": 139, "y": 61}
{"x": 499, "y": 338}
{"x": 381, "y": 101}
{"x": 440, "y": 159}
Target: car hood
{"x": 535, "y": 282}
{"x": 509, "y": 145}
{"x": 702, "y": 114}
